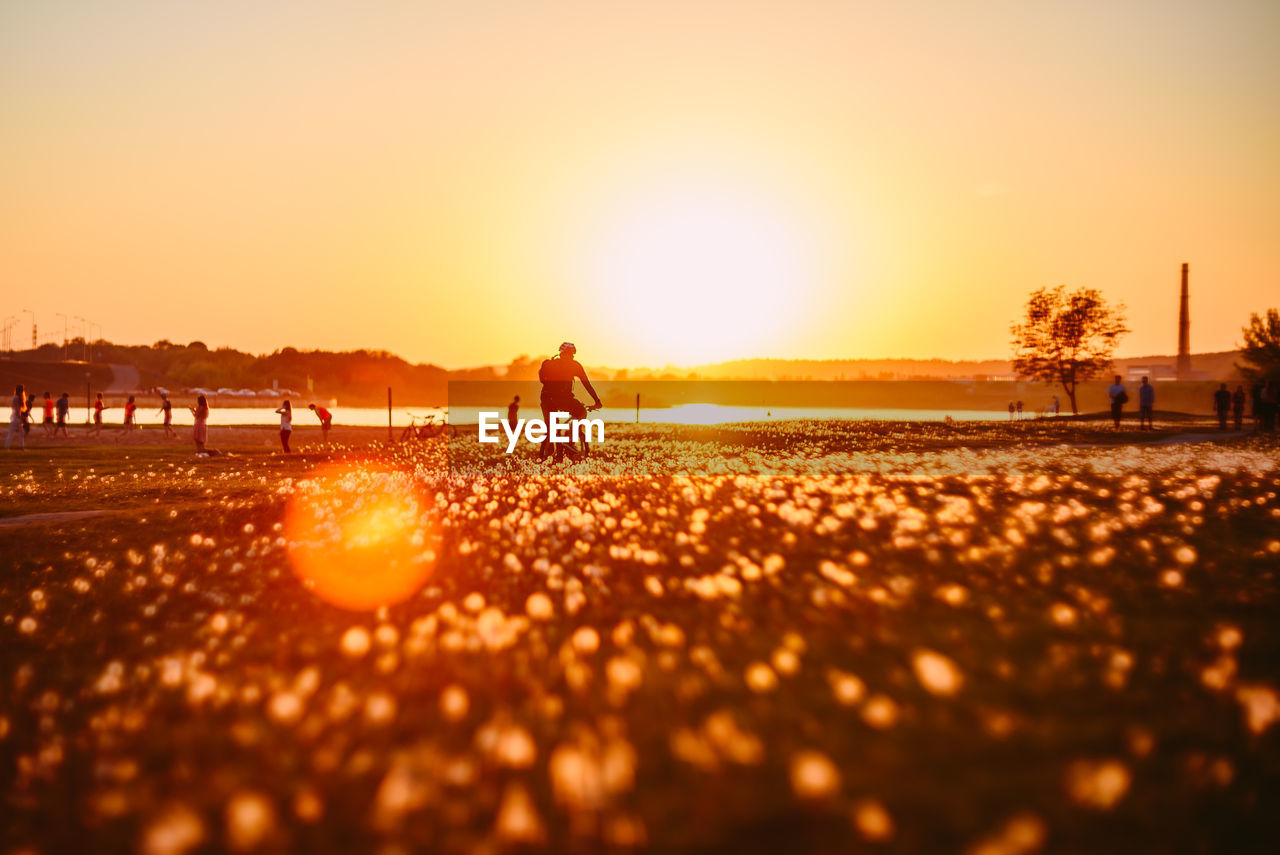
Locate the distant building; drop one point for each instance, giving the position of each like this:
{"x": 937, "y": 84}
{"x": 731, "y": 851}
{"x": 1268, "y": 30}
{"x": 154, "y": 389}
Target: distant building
{"x": 1155, "y": 372}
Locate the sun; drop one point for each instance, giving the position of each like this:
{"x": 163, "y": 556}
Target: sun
{"x": 701, "y": 273}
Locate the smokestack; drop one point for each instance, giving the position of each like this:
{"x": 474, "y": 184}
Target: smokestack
{"x": 1184, "y": 332}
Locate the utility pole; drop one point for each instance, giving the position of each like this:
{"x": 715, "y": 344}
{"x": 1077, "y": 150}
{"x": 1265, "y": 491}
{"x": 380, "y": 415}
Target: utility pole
{"x": 1184, "y": 331}
{"x": 64, "y": 336}
{"x": 33, "y": 326}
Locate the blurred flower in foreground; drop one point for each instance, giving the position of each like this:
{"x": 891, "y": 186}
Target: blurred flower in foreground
{"x": 358, "y": 537}
{"x": 1097, "y": 784}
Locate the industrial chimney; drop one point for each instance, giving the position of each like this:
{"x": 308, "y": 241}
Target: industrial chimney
{"x": 1184, "y": 332}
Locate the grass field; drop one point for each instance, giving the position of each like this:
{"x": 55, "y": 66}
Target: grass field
{"x": 808, "y": 637}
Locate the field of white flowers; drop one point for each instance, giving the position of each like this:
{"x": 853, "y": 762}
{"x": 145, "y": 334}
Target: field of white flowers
{"x": 801, "y": 637}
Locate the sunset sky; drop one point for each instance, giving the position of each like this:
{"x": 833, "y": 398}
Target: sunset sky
{"x": 661, "y": 182}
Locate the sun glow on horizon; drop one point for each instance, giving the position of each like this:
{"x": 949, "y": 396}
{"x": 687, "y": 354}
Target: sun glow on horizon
{"x": 702, "y": 270}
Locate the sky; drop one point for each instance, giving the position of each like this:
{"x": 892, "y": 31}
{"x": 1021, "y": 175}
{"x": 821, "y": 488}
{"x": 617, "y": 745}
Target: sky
{"x": 660, "y": 182}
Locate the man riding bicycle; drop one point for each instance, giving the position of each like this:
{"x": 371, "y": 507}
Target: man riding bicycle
{"x": 557, "y": 375}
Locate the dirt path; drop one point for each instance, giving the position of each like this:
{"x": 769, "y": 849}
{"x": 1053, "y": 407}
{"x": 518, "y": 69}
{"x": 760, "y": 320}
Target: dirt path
{"x": 36, "y": 519}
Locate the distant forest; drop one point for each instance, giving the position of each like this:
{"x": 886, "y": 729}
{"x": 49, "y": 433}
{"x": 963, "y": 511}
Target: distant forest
{"x": 361, "y": 377}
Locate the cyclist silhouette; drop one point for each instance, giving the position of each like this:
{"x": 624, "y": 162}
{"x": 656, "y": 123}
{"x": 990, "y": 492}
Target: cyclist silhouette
{"x": 557, "y": 375}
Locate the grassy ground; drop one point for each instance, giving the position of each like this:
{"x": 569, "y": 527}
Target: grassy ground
{"x": 794, "y": 636}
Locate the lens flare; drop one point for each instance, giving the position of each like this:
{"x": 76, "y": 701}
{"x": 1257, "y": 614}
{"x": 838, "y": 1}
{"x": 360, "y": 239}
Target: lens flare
{"x": 360, "y": 538}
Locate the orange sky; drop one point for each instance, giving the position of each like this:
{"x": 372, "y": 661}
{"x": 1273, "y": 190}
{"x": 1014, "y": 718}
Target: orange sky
{"x": 661, "y": 182}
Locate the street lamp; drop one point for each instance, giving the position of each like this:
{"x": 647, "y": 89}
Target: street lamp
{"x": 64, "y": 336}
{"x": 33, "y": 326}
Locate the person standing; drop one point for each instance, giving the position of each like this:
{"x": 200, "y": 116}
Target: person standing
{"x": 1237, "y": 407}
{"x": 1255, "y": 402}
{"x": 63, "y": 406}
{"x": 200, "y": 433}
{"x": 16, "y": 406}
{"x": 1119, "y": 397}
{"x": 1011, "y": 410}
{"x": 130, "y": 408}
{"x": 98, "y": 407}
{"x": 166, "y": 409}
{"x": 1019, "y": 411}
{"x": 1146, "y": 405}
{"x": 1222, "y": 404}
{"x": 1057, "y": 406}
{"x": 286, "y": 424}
{"x": 326, "y": 421}
{"x": 26, "y": 414}
{"x": 48, "y": 414}
{"x": 1270, "y": 402}
{"x": 513, "y": 412}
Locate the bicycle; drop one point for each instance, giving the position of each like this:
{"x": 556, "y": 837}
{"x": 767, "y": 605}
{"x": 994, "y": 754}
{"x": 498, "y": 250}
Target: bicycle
{"x": 583, "y": 443}
{"x": 426, "y": 427}
{"x": 581, "y": 449}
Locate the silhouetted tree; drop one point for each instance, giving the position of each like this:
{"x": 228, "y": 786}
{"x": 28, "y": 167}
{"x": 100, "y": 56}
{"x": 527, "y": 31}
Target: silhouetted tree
{"x": 522, "y": 367}
{"x": 1261, "y": 351}
{"x": 1067, "y": 337}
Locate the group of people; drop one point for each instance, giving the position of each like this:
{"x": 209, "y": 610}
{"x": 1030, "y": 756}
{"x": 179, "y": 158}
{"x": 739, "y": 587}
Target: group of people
{"x": 21, "y": 408}
{"x": 56, "y": 413}
{"x": 1227, "y": 404}
{"x": 285, "y": 412}
{"x": 1054, "y": 409}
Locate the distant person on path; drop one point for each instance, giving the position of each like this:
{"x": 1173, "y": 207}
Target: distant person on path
{"x": 557, "y": 375}
{"x": 1255, "y": 403}
{"x": 1057, "y": 406}
{"x": 1012, "y": 410}
{"x": 63, "y": 406}
{"x": 166, "y": 409}
{"x": 26, "y": 414}
{"x": 1270, "y": 402}
{"x": 513, "y": 412}
{"x": 1019, "y": 411}
{"x": 1146, "y": 405}
{"x": 129, "y": 423}
{"x": 200, "y": 433}
{"x": 1222, "y": 405}
{"x": 48, "y": 414}
{"x": 98, "y": 407}
{"x": 1119, "y": 397}
{"x": 326, "y": 421}
{"x": 1237, "y": 407}
{"x": 286, "y": 424}
{"x": 16, "y": 407}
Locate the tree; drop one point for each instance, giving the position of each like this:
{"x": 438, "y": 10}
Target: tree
{"x": 1261, "y": 349}
{"x": 1067, "y": 337}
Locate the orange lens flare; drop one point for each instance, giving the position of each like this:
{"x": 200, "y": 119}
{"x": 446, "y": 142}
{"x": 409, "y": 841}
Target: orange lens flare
{"x": 360, "y": 538}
